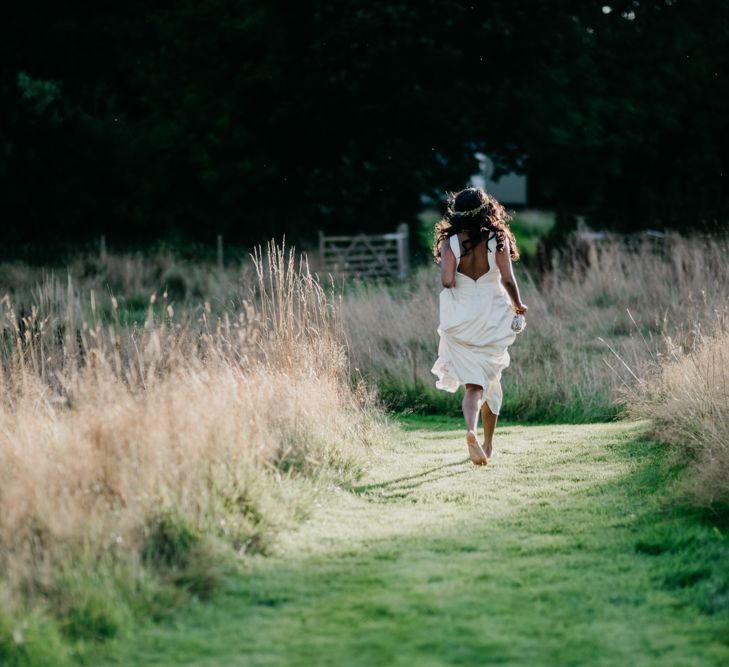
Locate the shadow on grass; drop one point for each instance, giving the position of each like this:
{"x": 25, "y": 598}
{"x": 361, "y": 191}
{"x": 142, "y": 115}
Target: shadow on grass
{"x": 569, "y": 582}
{"x": 424, "y": 477}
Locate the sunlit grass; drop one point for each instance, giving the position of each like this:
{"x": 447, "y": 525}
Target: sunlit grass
{"x": 562, "y": 552}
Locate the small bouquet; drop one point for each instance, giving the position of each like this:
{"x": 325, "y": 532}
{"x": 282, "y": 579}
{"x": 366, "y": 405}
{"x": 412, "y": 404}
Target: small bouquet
{"x": 518, "y": 324}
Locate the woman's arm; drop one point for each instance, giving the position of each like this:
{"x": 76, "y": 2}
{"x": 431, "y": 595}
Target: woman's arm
{"x": 447, "y": 266}
{"x": 508, "y": 279}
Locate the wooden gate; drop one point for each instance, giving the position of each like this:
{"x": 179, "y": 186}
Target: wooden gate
{"x": 367, "y": 255}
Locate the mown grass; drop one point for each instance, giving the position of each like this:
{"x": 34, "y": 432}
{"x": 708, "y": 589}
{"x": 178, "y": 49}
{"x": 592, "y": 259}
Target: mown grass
{"x": 569, "y": 550}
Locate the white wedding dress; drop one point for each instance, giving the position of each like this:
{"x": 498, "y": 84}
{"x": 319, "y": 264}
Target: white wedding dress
{"x": 475, "y": 331}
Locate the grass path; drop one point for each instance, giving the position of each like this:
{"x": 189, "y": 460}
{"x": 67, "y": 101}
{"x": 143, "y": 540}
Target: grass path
{"x": 563, "y": 552}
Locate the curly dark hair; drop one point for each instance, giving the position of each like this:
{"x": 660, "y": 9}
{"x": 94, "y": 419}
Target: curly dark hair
{"x": 491, "y": 221}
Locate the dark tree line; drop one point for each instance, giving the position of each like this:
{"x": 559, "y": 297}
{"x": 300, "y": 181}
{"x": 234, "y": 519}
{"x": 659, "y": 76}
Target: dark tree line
{"x": 188, "y": 118}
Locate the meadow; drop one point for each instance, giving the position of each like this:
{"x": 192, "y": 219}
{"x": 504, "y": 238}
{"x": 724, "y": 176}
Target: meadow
{"x": 139, "y": 460}
{"x": 166, "y": 422}
{"x": 602, "y": 318}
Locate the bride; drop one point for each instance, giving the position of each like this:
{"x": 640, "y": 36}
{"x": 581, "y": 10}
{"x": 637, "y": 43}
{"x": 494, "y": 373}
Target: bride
{"x": 475, "y": 248}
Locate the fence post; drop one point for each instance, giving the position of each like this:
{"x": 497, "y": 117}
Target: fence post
{"x": 322, "y": 244}
{"x": 220, "y": 252}
{"x": 403, "y": 251}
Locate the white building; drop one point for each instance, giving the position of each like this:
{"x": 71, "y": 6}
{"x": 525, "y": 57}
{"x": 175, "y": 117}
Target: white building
{"x": 510, "y": 189}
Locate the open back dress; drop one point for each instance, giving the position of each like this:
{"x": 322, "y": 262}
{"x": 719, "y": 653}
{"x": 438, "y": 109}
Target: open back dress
{"x": 475, "y": 330}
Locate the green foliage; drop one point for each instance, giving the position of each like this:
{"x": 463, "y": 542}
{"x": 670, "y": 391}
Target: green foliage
{"x": 91, "y": 602}
{"x": 256, "y": 119}
{"x": 194, "y": 561}
{"x": 30, "y": 639}
{"x": 169, "y": 541}
{"x": 176, "y": 285}
{"x": 405, "y": 396}
{"x": 530, "y": 403}
{"x": 530, "y": 227}
{"x": 205, "y": 569}
{"x": 41, "y": 94}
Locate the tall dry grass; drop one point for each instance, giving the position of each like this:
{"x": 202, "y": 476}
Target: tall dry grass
{"x": 686, "y": 397}
{"x": 137, "y": 454}
{"x": 637, "y": 303}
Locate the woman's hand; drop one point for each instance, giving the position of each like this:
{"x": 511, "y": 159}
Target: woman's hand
{"x": 508, "y": 280}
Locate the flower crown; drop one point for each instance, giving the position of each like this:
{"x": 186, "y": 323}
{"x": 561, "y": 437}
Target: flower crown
{"x": 473, "y": 211}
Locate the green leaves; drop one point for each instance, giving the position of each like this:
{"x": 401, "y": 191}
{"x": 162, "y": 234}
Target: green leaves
{"x": 41, "y": 94}
{"x": 356, "y": 114}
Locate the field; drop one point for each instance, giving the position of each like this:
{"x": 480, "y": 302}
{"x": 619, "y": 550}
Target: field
{"x": 215, "y": 449}
{"x": 599, "y": 322}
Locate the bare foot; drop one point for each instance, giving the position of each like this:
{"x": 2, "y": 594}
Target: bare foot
{"x": 478, "y": 458}
{"x": 488, "y": 449}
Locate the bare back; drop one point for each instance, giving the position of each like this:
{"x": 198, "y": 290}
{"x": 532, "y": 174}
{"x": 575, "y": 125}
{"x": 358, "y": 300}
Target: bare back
{"x": 475, "y": 263}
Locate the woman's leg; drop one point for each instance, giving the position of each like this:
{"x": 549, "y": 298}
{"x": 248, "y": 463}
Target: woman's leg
{"x": 489, "y": 426}
{"x": 471, "y": 400}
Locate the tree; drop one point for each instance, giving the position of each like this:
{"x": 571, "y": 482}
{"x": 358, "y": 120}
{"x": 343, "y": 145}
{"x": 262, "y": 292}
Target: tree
{"x": 257, "y": 119}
